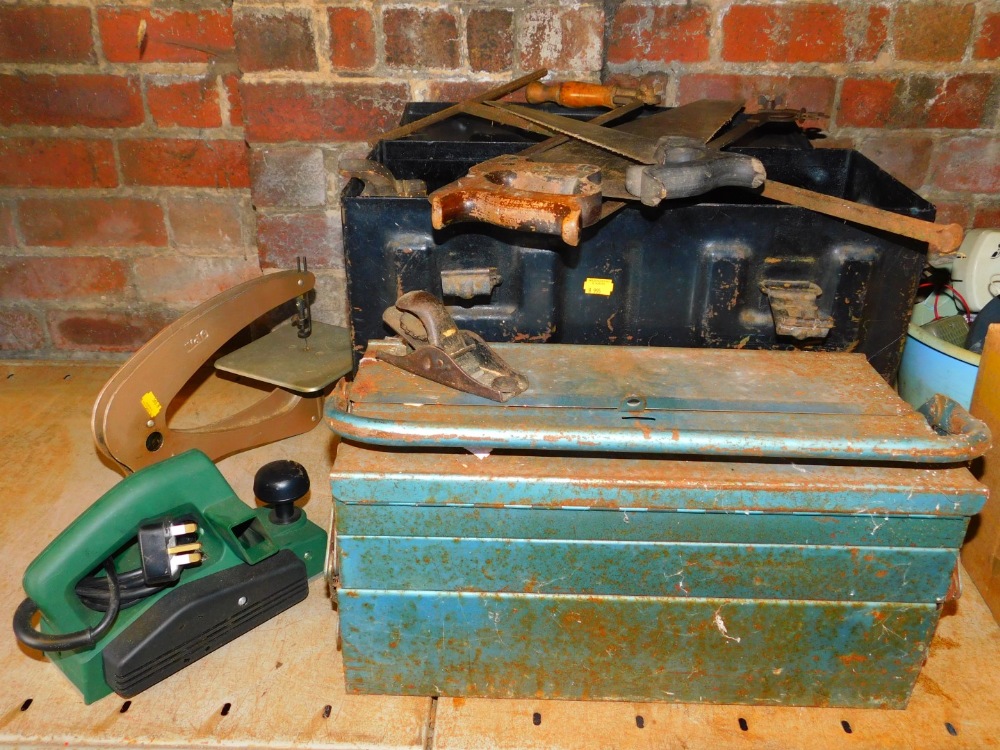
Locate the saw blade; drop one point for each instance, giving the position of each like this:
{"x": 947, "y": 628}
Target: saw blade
{"x": 636, "y": 147}
{"x": 700, "y": 119}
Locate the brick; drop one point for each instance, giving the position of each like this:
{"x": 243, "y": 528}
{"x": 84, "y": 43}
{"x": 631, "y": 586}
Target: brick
{"x": 906, "y": 156}
{"x": 100, "y": 101}
{"x": 282, "y": 237}
{"x": 190, "y": 280}
{"x": 352, "y": 38}
{"x": 96, "y": 331}
{"x": 274, "y": 41}
{"x": 665, "y": 34}
{"x": 43, "y": 34}
{"x": 8, "y": 235}
{"x": 321, "y": 112}
{"x": 932, "y": 32}
{"x": 57, "y": 163}
{"x": 950, "y": 212}
{"x": 92, "y": 222}
{"x": 814, "y": 93}
{"x": 232, "y": 85}
{"x": 868, "y": 102}
{"x": 185, "y": 162}
{"x": 420, "y": 38}
{"x": 331, "y": 298}
{"x": 869, "y": 37}
{"x": 987, "y": 45}
{"x": 784, "y": 33}
{"x": 171, "y": 36}
{"x": 490, "y": 39}
{"x": 288, "y": 176}
{"x": 562, "y": 38}
{"x": 31, "y": 278}
{"x": 987, "y": 216}
{"x": 967, "y": 163}
{"x": 203, "y": 223}
{"x": 20, "y": 331}
{"x": 964, "y": 101}
{"x": 185, "y": 103}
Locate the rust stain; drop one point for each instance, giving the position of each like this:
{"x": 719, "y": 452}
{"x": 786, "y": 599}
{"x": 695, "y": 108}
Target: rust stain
{"x": 928, "y": 684}
{"x": 848, "y": 659}
{"x": 943, "y": 643}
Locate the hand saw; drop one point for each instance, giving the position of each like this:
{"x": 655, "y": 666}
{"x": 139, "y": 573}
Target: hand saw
{"x": 646, "y": 183}
{"x": 556, "y": 187}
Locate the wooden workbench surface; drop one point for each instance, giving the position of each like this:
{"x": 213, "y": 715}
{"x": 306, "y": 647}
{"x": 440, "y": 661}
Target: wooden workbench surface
{"x": 281, "y": 685}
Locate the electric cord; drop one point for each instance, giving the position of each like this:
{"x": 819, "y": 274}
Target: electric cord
{"x": 31, "y": 637}
{"x": 132, "y": 589}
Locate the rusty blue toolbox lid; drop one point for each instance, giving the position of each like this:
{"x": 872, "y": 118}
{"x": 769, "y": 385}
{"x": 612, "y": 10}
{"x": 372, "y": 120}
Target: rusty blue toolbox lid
{"x": 707, "y": 402}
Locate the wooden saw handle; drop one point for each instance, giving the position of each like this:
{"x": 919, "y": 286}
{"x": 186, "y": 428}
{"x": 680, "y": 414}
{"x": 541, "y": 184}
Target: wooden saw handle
{"x": 512, "y": 192}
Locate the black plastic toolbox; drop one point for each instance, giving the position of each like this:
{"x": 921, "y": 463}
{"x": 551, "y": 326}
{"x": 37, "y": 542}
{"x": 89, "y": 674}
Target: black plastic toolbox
{"x": 687, "y": 273}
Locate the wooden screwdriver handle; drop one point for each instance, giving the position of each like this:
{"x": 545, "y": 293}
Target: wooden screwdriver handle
{"x": 579, "y": 94}
{"x": 575, "y": 94}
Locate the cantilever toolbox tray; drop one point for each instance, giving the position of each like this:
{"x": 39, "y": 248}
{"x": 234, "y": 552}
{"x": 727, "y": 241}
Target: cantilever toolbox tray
{"x": 647, "y": 524}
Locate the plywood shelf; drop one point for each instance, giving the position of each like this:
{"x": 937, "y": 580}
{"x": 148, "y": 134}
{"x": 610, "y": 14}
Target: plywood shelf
{"x": 281, "y": 685}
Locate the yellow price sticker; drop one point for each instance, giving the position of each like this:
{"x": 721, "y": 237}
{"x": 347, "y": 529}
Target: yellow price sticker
{"x": 151, "y": 404}
{"x": 603, "y": 287}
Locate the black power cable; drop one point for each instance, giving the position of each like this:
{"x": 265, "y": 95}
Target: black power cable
{"x": 116, "y": 591}
{"x": 132, "y": 589}
{"x": 33, "y": 638}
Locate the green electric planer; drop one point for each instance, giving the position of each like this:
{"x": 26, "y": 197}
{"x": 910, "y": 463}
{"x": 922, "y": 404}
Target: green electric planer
{"x": 166, "y": 567}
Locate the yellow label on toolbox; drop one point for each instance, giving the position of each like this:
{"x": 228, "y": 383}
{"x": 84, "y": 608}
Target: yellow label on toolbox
{"x": 151, "y": 404}
{"x": 603, "y": 287}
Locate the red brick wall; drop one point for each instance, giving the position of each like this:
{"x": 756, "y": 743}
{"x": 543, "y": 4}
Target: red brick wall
{"x": 138, "y": 177}
{"x": 124, "y": 174}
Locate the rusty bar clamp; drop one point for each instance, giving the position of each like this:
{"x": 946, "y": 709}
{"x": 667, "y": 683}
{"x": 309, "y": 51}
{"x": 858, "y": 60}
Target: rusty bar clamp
{"x": 444, "y": 354}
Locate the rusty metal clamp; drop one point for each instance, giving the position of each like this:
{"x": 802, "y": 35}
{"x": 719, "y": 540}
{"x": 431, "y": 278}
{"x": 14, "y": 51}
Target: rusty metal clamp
{"x": 444, "y": 354}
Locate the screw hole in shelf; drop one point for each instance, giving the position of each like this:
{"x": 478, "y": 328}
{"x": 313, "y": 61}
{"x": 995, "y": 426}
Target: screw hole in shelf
{"x": 67, "y": 377}
{"x": 10, "y": 375}
{"x": 846, "y": 726}
{"x": 125, "y": 707}
{"x": 27, "y": 704}
{"x": 536, "y": 718}
{"x": 640, "y": 722}
{"x": 225, "y": 709}
{"x": 951, "y": 729}
{"x": 327, "y": 710}
{"x": 743, "y": 724}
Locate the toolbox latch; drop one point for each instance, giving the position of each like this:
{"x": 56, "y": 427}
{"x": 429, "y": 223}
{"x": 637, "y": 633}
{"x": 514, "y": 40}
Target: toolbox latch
{"x": 794, "y": 309}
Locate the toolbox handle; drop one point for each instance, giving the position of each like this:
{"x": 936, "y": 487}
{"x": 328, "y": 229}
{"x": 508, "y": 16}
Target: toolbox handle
{"x": 959, "y": 437}
{"x": 949, "y": 418}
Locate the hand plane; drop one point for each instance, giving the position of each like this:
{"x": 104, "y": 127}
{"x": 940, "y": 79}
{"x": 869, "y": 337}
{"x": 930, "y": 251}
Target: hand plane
{"x": 441, "y": 352}
{"x": 130, "y": 418}
{"x": 165, "y": 568}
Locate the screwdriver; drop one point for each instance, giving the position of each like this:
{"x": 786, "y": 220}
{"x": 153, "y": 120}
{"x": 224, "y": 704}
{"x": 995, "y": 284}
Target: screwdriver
{"x": 578, "y": 94}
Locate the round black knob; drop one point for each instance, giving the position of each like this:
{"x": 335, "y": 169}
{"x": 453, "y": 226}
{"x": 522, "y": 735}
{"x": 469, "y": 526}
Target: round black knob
{"x": 279, "y": 484}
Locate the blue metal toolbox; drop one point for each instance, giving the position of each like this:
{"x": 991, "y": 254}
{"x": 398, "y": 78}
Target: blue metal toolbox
{"x": 647, "y": 524}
